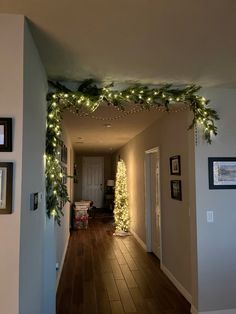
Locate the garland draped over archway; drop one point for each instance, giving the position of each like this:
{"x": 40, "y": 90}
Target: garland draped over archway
{"x": 88, "y": 98}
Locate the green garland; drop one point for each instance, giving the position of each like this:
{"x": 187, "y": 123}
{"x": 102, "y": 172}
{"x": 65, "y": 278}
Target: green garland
{"x": 87, "y": 98}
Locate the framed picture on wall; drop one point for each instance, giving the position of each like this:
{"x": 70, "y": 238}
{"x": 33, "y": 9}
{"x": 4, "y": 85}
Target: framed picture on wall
{"x": 176, "y": 189}
{"x": 222, "y": 172}
{"x": 6, "y": 181}
{"x": 5, "y": 134}
{"x": 175, "y": 167}
{"x": 64, "y": 174}
{"x": 63, "y": 153}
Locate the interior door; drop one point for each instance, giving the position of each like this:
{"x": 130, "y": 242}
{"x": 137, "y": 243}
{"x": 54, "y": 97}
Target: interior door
{"x": 93, "y": 178}
{"x": 155, "y": 203}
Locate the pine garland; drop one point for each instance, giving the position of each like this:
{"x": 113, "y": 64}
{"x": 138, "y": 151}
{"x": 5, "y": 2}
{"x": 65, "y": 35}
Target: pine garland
{"x": 88, "y": 98}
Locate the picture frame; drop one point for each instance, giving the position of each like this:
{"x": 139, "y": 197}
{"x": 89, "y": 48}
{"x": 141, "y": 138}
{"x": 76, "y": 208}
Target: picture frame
{"x": 63, "y": 153}
{"x": 75, "y": 174}
{"x": 176, "y": 189}
{"x": 6, "y": 186}
{"x": 5, "y": 134}
{"x": 222, "y": 173}
{"x": 64, "y": 174}
{"x": 175, "y": 165}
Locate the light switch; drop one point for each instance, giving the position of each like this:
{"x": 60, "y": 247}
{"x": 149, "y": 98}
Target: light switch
{"x": 34, "y": 201}
{"x": 210, "y": 216}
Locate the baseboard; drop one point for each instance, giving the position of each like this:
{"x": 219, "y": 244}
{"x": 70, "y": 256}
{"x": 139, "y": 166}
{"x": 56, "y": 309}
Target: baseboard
{"x": 177, "y": 284}
{"x": 143, "y": 245}
{"x": 231, "y": 311}
{"x": 62, "y": 263}
{"x": 193, "y": 310}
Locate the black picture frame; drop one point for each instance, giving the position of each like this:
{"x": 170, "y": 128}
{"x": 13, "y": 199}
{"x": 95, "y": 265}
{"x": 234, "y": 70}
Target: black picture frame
{"x": 6, "y": 187}
{"x": 5, "y": 134}
{"x": 175, "y": 165}
{"x": 222, "y": 173}
{"x": 63, "y": 153}
{"x": 176, "y": 189}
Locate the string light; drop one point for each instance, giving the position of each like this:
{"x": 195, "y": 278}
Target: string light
{"x": 85, "y": 103}
{"x": 121, "y": 209}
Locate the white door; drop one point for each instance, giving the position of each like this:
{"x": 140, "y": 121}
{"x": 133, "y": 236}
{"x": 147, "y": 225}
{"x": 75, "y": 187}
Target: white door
{"x": 92, "y": 182}
{"x": 152, "y": 201}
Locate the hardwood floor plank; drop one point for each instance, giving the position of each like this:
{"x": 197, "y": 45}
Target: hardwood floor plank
{"x": 142, "y": 283}
{"x": 103, "y": 304}
{"x": 131, "y": 283}
{"x": 116, "y": 270}
{"x": 125, "y": 296}
{"x": 139, "y": 301}
{"x": 111, "y": 287}
{"x": 89, "y": 298}
{"x": 117, "y": 307}
{"x": 119, "y": 256}
{"x": 104, "y": 274}
{"x": 129, "y": 260}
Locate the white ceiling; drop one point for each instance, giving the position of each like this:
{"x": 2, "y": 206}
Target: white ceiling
{"x": 91, "y": 134}
{"x": 150, "y": 41}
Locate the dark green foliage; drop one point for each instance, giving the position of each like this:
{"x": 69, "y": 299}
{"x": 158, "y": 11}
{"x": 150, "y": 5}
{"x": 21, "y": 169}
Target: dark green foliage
{"x": 88, "y": 97}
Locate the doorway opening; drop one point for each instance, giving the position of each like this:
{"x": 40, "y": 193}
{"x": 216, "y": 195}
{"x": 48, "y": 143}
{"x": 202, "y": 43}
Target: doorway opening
{"x": 92, "y": 180}
{"x": 153, "y": 202}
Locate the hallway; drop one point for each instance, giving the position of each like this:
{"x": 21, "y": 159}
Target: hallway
{"x": 106, "y": 274}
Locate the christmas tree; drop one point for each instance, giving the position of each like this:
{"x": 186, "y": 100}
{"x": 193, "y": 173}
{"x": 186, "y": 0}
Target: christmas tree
{"x": 121, "y": 210}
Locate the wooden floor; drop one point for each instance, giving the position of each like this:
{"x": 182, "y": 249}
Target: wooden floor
{"x": 106, "y": 274}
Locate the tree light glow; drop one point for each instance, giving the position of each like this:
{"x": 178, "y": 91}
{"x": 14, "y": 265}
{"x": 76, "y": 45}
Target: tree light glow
{"x": 121, "y": 210}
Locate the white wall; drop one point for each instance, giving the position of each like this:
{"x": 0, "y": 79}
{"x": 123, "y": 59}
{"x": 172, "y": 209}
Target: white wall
{"x": 171, "y": 136}
{"x": 216, "y": 242}
{"x": 11, "y": 105}
{"x": 33, "y": 179}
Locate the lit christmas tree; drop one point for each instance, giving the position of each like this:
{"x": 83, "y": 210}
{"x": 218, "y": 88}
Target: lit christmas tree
{"x": 121, "y": 210}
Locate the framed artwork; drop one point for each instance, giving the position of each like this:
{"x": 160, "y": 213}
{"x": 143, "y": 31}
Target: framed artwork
{"x": 176, "y": 190}
{"x": 5, "y": 134}
{"x": 6, "y": 181}
{"x": 175, "y": 167}
{"x": 75, "y": 174}
{"x": 64, "y": 174}
{"x": 63, "y": 153}
{"x": 222, "y": 172}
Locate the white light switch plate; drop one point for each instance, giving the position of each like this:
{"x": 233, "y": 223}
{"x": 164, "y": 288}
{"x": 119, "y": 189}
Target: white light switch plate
{"x": 210, "y": 216}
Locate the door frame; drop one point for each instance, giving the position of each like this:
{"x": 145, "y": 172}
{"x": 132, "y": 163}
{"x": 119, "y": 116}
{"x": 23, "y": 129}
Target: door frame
{"x": 148, "y": 207}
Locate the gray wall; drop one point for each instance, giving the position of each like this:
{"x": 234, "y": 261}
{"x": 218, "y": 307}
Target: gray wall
{"x": 216, "y": 244}
{"x": 171, "y": 135}
{"x": 33, "y": 180}
{"x": 27, "y": 264}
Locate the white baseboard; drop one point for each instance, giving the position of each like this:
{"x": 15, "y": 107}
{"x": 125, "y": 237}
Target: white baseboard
{"x": 143, "y": 245}
{"x": 177, "y": 284}
{"x": 231, "y": 311}
{"x": 62, "y": 263}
